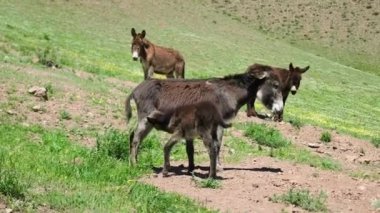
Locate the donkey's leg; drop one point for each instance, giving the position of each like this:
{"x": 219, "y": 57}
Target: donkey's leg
{"x": 251, "y": 108}
{"x": 142, "y": 130}
{"x": 279, "y": 116}
{"x": 219, "y": 134}
{"x": 145, "y": 69}
{"x": 167, "y": 148}
{"x": 212, "y": 146}
{"x": 179, "y": 70}
{"x": 150, "y": 72}
{"x": 190, "y": 154}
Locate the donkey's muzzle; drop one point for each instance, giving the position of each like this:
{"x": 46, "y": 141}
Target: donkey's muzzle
{"x": 135, "y": 58}
{"x": 294, "y": 92}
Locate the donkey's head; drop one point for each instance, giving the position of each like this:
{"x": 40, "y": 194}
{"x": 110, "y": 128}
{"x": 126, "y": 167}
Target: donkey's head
{"x": 138, "y": 44}
{"x": 295, "y": 77}
{"x": 270, "y": 89}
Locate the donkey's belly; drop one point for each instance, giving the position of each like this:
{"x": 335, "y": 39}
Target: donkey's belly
{"x": 163, "y": 69}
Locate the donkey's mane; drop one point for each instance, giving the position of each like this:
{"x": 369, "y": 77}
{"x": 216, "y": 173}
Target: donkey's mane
{"x": 243, "y": 79}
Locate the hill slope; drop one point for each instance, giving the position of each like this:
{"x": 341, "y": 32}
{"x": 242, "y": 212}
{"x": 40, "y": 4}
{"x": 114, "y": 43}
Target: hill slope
{"x": 95, "y": 36}
{"x": 70, "y": 153}
{"x": 346, "y": 31}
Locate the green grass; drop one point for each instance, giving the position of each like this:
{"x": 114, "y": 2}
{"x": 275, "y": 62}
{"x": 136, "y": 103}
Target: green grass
{"x": 64, "y": 115}
{"x": 266, "y": 136}
{"x": 295, "y": 122}
{"x": 207, "y": 183}
{"x": 281, "y": 148}
{"x": 376, "y": 204}
{"x": 325, "y": 137}
{"x": 10, "y": 185}
{"x": 49, "y": 169}
{"x": 304, "y": 199}
{"x": 376, "y": 141}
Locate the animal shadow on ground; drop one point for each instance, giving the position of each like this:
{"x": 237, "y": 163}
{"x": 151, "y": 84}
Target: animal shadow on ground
{"x": 182, "y": 170}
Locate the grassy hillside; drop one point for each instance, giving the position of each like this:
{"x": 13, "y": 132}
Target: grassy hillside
{"x": 95, "y": 37}
{"x": 345, "y": 31}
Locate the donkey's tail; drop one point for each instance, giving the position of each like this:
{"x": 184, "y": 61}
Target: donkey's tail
{"x": 128, "y": 108}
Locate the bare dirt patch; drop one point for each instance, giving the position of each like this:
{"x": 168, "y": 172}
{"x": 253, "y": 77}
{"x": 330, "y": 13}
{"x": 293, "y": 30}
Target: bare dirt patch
{"x": 248, "y": 186}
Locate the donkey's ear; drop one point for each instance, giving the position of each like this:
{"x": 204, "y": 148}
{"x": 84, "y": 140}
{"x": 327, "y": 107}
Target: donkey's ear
{"x": 305, "y": 69}
{"x": 133, "y": 32}
{"x": 143, "y": 34}
{"x": 291, "y": 68}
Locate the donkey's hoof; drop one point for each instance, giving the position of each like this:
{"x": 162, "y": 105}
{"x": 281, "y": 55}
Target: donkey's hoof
{"x": 165, "y": 173}
{"x": 251, "y": 114}
{"x": 190, "y": 168}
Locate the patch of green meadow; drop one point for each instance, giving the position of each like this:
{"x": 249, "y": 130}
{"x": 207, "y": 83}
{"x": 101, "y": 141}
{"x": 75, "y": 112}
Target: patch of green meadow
{"x": 304, "y": 199}
{"x": 261, "y": 140}
{"x": 50, "y": 170}
{"x": 332, "y": 95}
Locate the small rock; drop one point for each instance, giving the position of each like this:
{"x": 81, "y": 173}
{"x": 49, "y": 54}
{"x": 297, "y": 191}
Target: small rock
{"x": 313, "y": 145}
{"x": 8, "y": 210}
{"x": 231, "y": 151}
{"x": 255, "y": 185}
{"x": 36, "y": 108}
{"x": 362, "y": 188}
{"x": 25, "y": 124}
{"x": 38, "y": 92}
{"x": 364, "y": 161}
{"x": 11, "y": 112}
{"x": 33, "y": 89}
{"x": 90, "y": 115}
{"x": 351, "y": 158}
{"x": 334, "y": 147}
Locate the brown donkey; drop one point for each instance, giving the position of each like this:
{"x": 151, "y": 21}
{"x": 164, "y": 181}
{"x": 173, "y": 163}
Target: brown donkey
{"x": 189, "y": 121}
{"x": 153, "y": 58}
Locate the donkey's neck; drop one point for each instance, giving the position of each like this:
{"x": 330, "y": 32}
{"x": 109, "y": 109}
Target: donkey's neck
{"x": 237, "y": 89}
{"x": 145, "y": 51}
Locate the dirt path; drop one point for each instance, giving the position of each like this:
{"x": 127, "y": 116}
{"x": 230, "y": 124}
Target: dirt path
{"x": 247, "y": 187}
